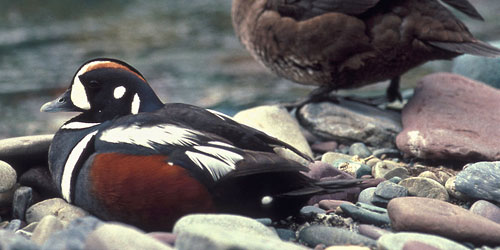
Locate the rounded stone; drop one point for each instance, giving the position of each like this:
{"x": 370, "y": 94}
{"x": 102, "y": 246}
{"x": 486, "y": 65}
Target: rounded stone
{"x": 389, "y": 169}
{"x": 430, "y": 175}
{"x": 378, "y": 216}
{"x": 57, "y": 207}
{"x": 8, "y": 177}
{"x": 359, "y": 149}
{"x": 331, "y": 157}
{"x": 45, "y": 228}
{"x": 452, "y": 190}
{"x": 328, "y": 236}
{"x": 425, "y": 187}
{"x": 12, "y": 241}
{"x": 397, "y": 241}
{"x": 331, "y": 204}
{"x": 366, "y": 196}
{"x": 480, "y": 180}
{"x": 372, "y": 231}
{"x": 486, "y": 209}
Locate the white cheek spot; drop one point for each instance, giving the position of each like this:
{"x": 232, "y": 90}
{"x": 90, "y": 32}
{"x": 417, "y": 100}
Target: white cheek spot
{"x": 266, "y": 200}
{"x": 136, "y": 104}
{"x": 78, "y": 95}
{"x": 119, "y": 92}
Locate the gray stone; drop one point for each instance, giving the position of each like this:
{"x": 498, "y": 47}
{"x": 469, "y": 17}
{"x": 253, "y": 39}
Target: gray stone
{"x": 22, "y": 199}
{"x": 286, "y": 234}
{"x": 117, "y": 236}
{"x": 452, "y": 190}
{"x": 386, "y": 191}
{"x": 265, "y": 221}
{"x": 366, "y": 196}
{"x": 12, "y": 241}
{"x": 8, "y": 177}
{"x": 219, "y": 237}
{"x": 314, "y": 235}
{"x": 386, "y": 152}
{"x": 276, "y": 122}
{"x": 74, "y": 236}
{"x": 431, "y": 130}
{"x": 363, "y": 170}
{"x": 389, "y": 169}
{"x": 57, "y": 207}
{"x": 45, "y": 228}
{"x": 230, "y": 222}
{"x": 359, "y": 149}
{"x": 25, "y": 151}
{"x": 371, "y": 231}
{"x": 433, "y": 216}
{"x": 309, "y": 211}
{"x": 363, "y": 215}
{"x": 430, "y": 175}
{"x": 395, "y": 179}
{"x": 351, "y": 167}
{"x": 351, "y": 122}
{"x": 397, "y": 241}
{"x": 486, "y": 209}
{"x": 14, "y": 225}
{"x": 331, "y": 157}
{"x": 480, "y": 180}
{"x": 425, "y": 187}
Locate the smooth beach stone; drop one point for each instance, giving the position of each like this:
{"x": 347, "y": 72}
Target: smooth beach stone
{"x": 22, "y": 152}
{"x": 331, "y": 204}
{"x": 425, "y": 187}
{"x": 57, "y": 207}
{"x": 452, "y": 190}
{"x": 366, "y": 196}
{"x": 430, "y": 175}
{"x": 398, "y": 241}
{"x": 8, "y": 177}
{"x": 433, "y": 216}
{"x": 486, "y": 209}
{"x": 390, "y": 190}
{"x": 389, "y": 169}
{"x": 331, "y": 157}
{"x": 480, "y": 180}
{"x": 364, "y": 215}
{"x": 372, "y": 231}
{"x": 45, "y": 228}
{"x": 74, "y": 236}
{"x": 14, "y": 225}
{"x": 314, "y": 235}
{"x": 359, "y": 149}
{"x": 309, "y": 211}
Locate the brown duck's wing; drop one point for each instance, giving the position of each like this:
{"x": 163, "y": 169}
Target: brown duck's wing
{"x": 304, "y": 9}
{"x": 465, "y": 7}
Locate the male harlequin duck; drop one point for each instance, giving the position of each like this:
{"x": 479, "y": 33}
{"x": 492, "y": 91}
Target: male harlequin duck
{"x": 129, "y": 157}
{"x": 340, "y": 44}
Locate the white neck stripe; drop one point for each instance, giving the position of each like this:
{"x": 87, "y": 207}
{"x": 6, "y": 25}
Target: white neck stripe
{"x": 79, "y": 125}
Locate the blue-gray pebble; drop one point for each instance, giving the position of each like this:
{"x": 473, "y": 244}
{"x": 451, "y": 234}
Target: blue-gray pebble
{"x": 480, "y": 180}
{"x": 329, "y": 236}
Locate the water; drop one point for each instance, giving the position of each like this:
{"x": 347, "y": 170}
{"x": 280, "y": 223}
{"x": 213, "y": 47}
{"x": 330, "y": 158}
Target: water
{"x": 186, "y": 49}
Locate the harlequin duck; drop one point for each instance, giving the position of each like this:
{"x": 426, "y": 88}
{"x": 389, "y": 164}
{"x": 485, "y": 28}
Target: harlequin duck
{"x": 342, "y": 44}
{"x": 128, "y": 157}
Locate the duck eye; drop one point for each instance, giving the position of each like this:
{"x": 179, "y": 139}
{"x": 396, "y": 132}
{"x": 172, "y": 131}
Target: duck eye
{"x": 61, "y": 100}
{"x": 93, "y": 84}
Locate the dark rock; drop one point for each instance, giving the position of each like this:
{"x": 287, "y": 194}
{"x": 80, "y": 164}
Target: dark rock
{"x": 425, "y": 187}
{"x": 165, "y": 238}
{"x": 323, "y": 147}
{"x": 8, "y": 177}
{"x": 364, "y": 215}
{"x": 7, "y": 197}
{"x": 39, "y": 179}
{"x": 480, "y": 180}
{"x": 371, "y": 231}
{"x": 398, "y": 241}
{"x": 359, "y": 149}
{"x": 26, "y": 151}
{"x": 387, "y": 152}
{"x": 386, "y": 191}
{"x": 363, "y": 170}
{"x": 286, "y": 234}
{"x": 441, "y": 218}
{"x": 351, "y": 122}
{"x": 328, "y": 236}
{"x": 22, "y": 200}
{"x": 486, "y": 209}
{"x": 11, "y": 241}
{"x": 74, "y": 236}
{"x": 431, "y": 130}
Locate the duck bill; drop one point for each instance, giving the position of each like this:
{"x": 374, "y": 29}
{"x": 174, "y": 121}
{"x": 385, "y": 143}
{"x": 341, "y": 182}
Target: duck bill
{"x": 61, "y": 104}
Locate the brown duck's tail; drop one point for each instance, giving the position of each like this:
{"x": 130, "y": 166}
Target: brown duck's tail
{"x": 476, "y": 47}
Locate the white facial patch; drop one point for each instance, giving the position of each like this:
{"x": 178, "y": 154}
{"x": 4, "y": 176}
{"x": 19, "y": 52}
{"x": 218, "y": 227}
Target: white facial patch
{"x": 78, "y": 94}
{"x": 119, "y": 92}
{"x": 136, "y": 104}
{"x": 266, "y": 200}
{"x": 70, "y": 165}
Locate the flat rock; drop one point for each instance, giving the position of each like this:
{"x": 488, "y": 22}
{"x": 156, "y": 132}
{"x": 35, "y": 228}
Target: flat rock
{"x": 329, "y": 236}
{"x": 276, "y": 122}
{"x": 117, "y": 236}
{"x": 25, "y": 151}
{"x": 364, "y": 215}
{"x": 57, "y": 207}
{"x": 451, "y": 117}
{"x": 399, "y": 241}
{"x": 351, "y": 122}
{"x": 480, "y": 180}
{"x": 331, "y": 204}
{"x": 441, "y": 218}
{"x": 425, "y": 187}
{"x": 8, "y": 176}
{"x": 486, "y": 209}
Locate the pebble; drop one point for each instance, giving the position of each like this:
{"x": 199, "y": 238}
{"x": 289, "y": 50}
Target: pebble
{"x": 354, "y": 168}
{"x": 7, "y": 197}
{"x": 372, "y": 231}
{"x": 55, "y": 206}
{"x": 363, "y": 170}
{"x": 359, "y": 149}
{"x": 277, "y": 122}
{"x": 452, "y": 190}
{"x": 430, "y": 175}
{"x": 395, "y": 179}
{"x": 286, "y": 234}
{"x": 8, "y": 177}
{"x": 25, "y": 151}
{"x": 164, "y": 237}
{"x": 331, "y": 157}
{"x": 229, "y": 222}
{"x": 331, "y": 204}
{"x": 311, "y": 211}
{"x": 314, "y": 235}
{"x": 14, "y": 225}
{"x": 386, "y": 191}
{"x": 265, "y": 221}
{"x": 386, "y": 152}
{"x": 220, "y": 231}
{"x": 425, "y": 187}
{"x": 117, "y": 236}
{"x": 12, "y": 241}
{"x": 443, "y": 176}
{"x": 441, "y": 218}
{"x": 486, "y": 209}
{"x": 480, "y": 180}
{"x": 363, "y": 215}
{"x": 22, "y": 200}
{"x": 389, "y": 169}
{"x": 45, "y": 228}
{"x": 366, "y": 196}
{"x": 350, "y": 121}
{"x": 399, "y": 241}
{"x": 74, "y": 236}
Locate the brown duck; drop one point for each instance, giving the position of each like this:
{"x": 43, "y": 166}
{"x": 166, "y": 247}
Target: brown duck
{"x": 340, "y": 44}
